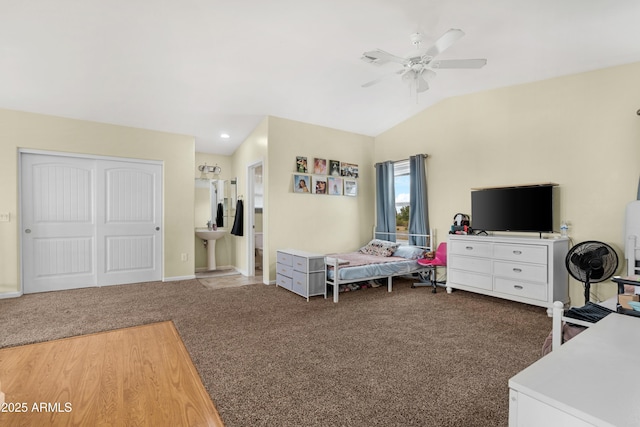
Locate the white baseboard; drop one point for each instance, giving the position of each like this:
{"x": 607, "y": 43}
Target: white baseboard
{"x": 178, "y": 278}
{"x": 10, "y": 295}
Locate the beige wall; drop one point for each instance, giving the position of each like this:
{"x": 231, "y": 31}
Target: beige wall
{"x": 40, "y": 132}
{"x": 580, "y": 131}
{"x": 252, "y": 150}
{"x": 316, "y": 223}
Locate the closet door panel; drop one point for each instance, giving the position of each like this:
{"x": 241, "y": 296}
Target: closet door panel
{"x": 58, "y": 223}
{"x": 129, "y": 222}
{"x": 89, "y": 222}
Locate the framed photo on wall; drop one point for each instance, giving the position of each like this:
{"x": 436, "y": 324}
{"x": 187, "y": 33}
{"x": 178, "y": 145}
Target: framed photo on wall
{"x": 301, "y": 183}
{"x": 320, "y": 166}
{"x": 350, "y": 187}
{"x": 349, "y": 169}
{"x": 301, "y": 164}
{"x": 319, "y": 184}
{"x": 335, "y": 185}
{"x": 334, "y": 167}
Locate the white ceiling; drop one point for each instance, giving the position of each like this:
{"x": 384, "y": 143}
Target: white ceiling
{"x": 203, "y": 67}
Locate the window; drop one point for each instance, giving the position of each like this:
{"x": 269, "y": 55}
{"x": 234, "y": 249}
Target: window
{"x": 401, "y": 182}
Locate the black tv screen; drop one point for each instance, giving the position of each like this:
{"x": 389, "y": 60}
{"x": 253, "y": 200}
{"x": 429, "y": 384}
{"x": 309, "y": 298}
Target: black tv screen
{"x": 528, "y": 209}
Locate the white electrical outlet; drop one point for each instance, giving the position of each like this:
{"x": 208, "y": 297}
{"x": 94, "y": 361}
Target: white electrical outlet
{"x": 184, "y": 257}
{"x": 5, "y": 216}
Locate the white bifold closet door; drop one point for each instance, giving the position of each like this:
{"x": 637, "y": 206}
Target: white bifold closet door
{"x": 89, "y": 222}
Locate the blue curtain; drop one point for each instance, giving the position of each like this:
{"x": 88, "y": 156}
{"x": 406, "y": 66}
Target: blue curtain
{"x": 418, "y": 206}
{"x": 385, "y": 202}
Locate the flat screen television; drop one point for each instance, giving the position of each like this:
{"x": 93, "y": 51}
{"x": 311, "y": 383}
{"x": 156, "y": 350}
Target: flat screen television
{"x": 524, "y": 209}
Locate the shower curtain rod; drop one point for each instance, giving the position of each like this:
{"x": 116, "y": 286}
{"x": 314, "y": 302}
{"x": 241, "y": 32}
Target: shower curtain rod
{"x": 396, "y": 161}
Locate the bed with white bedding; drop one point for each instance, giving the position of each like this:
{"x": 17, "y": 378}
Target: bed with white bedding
{"x": 379, "y": 259}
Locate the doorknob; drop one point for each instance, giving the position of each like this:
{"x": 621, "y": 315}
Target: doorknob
{"x": 157, "y": 228}
{"x": 28, "y": 230}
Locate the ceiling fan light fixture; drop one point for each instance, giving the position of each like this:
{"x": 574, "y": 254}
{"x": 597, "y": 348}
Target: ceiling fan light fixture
{"x": 418, "y": 68}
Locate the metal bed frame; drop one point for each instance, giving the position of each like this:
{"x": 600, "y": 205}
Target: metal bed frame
{"x": 337, "y": 264}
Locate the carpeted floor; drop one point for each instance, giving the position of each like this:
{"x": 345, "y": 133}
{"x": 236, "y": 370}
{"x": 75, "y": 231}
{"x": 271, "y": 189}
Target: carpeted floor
{"x": 269, "y": 358}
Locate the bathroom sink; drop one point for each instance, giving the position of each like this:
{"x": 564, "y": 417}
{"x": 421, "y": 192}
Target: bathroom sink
{"x": 210, "y": 237}
{"x": 206, "y": 234}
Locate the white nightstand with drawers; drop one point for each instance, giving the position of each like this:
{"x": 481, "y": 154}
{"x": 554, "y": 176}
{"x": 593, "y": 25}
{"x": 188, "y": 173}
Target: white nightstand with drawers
{"x": 524, "y": 269}
{"x": 300, "y": 272}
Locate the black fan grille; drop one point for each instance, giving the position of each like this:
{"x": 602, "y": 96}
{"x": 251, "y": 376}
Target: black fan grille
{"x": 592, "y": 261}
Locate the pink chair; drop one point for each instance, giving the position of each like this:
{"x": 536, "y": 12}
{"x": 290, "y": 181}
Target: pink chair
{"x": 428, "y": 277}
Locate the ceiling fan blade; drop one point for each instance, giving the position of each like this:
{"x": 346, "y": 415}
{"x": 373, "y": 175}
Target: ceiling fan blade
{"x": 379, "y": 79}
{"x": 444, "y": 42}
{"x": 458, "y": 63}
{"x": 381, "y": 57}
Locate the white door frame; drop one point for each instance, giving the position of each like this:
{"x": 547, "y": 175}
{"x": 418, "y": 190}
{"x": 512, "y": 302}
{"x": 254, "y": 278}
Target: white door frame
{"x": 22, "y": 151}
{"x": 250, "y": 211}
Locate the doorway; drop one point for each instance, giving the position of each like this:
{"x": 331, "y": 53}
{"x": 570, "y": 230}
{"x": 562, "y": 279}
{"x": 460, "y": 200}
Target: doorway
{"x": 255, "y": 211}
{"x": 89, "y": 221}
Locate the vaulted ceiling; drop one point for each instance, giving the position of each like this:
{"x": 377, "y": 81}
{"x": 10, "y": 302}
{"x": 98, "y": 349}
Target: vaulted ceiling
{"x": 207, "y": 67}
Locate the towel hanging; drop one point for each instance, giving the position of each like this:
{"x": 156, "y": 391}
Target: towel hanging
{"x": 220, "y": 216}
{"x": 237, "y": 229}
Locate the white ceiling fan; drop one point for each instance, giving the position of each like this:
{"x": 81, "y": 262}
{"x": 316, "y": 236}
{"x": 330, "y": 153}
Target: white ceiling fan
{"x": 418, "y": 68}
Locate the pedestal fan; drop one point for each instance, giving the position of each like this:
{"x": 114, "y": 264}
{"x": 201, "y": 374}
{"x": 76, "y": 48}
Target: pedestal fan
{"x": 591, "y": 262}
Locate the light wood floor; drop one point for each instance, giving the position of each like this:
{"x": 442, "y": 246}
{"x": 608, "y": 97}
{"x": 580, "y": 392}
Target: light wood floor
{"x": 222, "y": 282}
{"x": 140, "y": 376}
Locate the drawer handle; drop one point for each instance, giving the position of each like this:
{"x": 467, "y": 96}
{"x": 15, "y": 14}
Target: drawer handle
{"x": 517, "y": 270}
{"x": 469, "y": 248}
{"x": 519, "y": 287}
{"x": 517, "y": 252}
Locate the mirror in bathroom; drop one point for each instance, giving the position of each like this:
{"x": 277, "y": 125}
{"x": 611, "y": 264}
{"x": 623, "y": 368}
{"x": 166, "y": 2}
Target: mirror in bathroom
{"x": 215, "y": 200}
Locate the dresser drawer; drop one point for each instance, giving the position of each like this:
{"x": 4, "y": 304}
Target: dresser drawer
{"x": 285, "y": 270}
{"x": 284, "y": 258}
{"x": 523, "y": 253}
{"x": 520, "y": 271}
{"x": 471, "y": 248}
{"x": 316, "y": 264}
{"x": 300, "y": 263}
{"x": 284, "y": 281}
{"x": 529, "y": 290}
{"x": 299, "y": 283}
{"x": 476, "y": 265}
{"x": 466, "y": 278}
{"x": 317, "y": 283}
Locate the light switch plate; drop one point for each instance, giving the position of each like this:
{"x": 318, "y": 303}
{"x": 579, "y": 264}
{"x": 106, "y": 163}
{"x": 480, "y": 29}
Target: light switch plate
{"x": 5, "y": 216}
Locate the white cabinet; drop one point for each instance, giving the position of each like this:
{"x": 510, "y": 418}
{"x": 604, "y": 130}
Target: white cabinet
{"x": 300, "y": 272}
{"x": 528, "y": 270}
{"x": 588, "y": 381}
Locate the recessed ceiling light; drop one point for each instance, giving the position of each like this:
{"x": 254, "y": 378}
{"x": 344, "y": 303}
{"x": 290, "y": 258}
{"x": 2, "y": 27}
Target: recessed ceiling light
{"x": 224, "y": 136}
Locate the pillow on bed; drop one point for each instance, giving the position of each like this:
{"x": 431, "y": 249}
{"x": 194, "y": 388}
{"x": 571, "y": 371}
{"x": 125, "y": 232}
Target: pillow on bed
{"x": 409, "y": 252}
{"x": 379, "y": 247}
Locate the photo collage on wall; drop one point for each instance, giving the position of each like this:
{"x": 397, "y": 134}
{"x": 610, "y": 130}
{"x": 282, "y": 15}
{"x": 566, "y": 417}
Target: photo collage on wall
{"x": 324, "y": 176}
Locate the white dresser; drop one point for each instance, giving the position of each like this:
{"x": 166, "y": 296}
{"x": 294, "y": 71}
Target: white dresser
{"x": 528, "y": 270}
{"x": 300, "y": 272}
{"x": 588, "y": 381}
